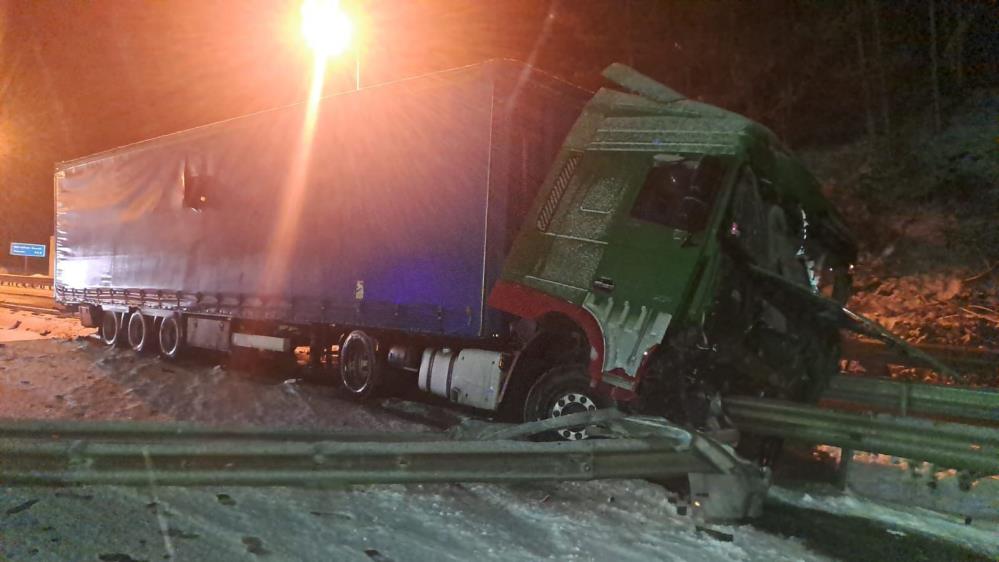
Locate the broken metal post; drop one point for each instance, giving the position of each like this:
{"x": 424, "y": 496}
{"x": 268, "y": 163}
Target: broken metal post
{"x": 738, "y": 491}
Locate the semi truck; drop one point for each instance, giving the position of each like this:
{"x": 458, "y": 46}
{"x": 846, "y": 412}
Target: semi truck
{"x": 500, "y": 237}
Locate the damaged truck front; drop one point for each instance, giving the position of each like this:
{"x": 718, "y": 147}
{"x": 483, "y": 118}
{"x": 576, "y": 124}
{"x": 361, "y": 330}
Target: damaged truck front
{"x": 641, "y": 245}
{"x": 629, "y": 276}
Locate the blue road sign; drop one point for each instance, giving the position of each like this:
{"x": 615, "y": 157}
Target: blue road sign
{"x": 27, "y": 250}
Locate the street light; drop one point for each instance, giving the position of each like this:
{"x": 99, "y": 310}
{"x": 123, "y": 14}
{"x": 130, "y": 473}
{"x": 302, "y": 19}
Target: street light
{"x": 329, "y": 32}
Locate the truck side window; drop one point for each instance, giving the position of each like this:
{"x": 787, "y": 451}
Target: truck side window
{"x": 680, "y": 194}
{"x": 749, "y": 216}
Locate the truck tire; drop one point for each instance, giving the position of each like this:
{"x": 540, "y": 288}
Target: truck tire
{"x": 361, "y": 369}
{"x": 563, "y": 390}
{"x": 110, "y": 328}
{"x": 171, "y": 337}
{"x": 139, "y": 332}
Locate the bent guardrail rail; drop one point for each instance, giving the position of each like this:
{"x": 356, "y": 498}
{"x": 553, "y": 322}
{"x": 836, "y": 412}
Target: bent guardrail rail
{"x": 143, "y": 454}
{"x": 723, "y": 485}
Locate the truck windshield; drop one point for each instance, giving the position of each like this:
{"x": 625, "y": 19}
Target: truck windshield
{"x": 680, "y": 194}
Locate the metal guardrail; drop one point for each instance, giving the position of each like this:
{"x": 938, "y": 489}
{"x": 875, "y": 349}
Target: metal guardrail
{"x": 908, "y": 398}
{"x": 36, "y": 282}
{"x": 726, "y": 487}
{"x": 950, "y": 445}
{"x": 172, "y": 454}
{"x": 327, "y": 463}
{"x": 144, "y": 454}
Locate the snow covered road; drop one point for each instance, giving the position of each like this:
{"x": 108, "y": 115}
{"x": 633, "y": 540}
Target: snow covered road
{"x": 50, "y": 368}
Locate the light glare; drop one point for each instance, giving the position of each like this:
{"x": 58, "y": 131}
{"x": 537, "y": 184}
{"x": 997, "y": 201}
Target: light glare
{"x": 326, "y": 27}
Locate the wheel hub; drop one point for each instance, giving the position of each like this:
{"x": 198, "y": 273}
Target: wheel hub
{"x": 136, "y": 332}
{"x": 168, "y": 337}
{"x": 358, "y": 372}
{"x": 573, "y": 403}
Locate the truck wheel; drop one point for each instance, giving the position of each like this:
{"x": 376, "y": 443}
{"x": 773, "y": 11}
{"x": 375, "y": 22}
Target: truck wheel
{"x": 361, "y": 370}
{"x": 561, "y": 391}
{"x": 110, "y": 328}
{"x": 171, "y": 338}
{"x": 139, "y": 332}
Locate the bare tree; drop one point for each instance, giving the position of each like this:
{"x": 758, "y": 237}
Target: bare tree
{"x": 953, "y": 52}
{"x": 879, "y": 67}
{"x": 865, "y": 81}
{"x": 934, "y": 73}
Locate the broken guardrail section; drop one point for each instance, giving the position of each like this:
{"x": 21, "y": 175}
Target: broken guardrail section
{"x": 144, "y": 454}
{"x": 722, "y": 485}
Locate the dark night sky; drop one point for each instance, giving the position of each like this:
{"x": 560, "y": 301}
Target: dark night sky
{"x": 78, "y": 76}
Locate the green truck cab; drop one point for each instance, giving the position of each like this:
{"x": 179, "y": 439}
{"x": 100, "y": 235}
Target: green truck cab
{"x": 634, "y": 271}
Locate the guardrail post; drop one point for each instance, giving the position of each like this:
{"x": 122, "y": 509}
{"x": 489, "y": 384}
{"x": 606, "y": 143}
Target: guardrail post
{"x": 843, "y": 470}
{"x": 903, "y": 406}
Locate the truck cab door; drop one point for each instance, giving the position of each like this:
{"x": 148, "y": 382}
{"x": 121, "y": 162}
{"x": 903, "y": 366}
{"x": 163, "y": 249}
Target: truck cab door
{"x": 653, "y": 257}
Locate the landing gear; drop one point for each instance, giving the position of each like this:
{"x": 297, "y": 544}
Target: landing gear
{"x": 361, "y": 367}
{"x": 561, "y": 391}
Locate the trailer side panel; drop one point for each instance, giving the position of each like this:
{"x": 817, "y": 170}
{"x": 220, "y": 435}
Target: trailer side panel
{"x": 371, "y": 212}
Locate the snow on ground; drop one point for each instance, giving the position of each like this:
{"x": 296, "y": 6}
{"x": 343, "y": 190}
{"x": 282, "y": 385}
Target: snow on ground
{"x": 981, "y": 537}
{"x": 17, "y": 325}
{"x": 80, "y": 379}
{"x": 920, "y": 485}
{"x": 70, "y": 375}
{"x": 566, "y": 521}
{"x": 66, "y": 377}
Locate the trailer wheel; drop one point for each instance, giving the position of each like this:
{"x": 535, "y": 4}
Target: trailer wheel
{"x": 171, "y": 337}
{"x": 564, "y": 390}
{"x": 360, "y": 368}
{"x": 110, "y": 328}
{"x": 139, "y": 332}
